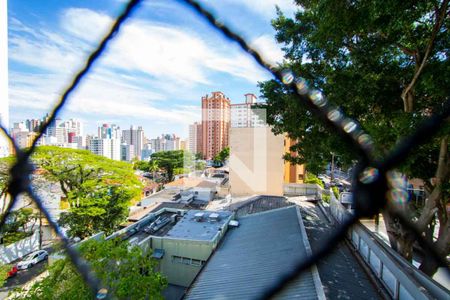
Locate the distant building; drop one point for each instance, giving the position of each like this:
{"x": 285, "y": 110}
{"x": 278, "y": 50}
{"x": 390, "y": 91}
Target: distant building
{"x": 215, "y": 124}
{"x": 134, "y": 136}
{"x": 292, "y": 173}
{"x": 165, "y": 142}
{"x": 109, "y": 148}
{"x": 147, "y": 152}
{"x": 195, "y": 138}
{"x": 107, "y": 131}
{"x": 183, "y": 145}
{"x": 23, "y": 137}
{"x": 126, "y": 152}
{"x": 33, "y": 124}
{"x": 243, "y": 115}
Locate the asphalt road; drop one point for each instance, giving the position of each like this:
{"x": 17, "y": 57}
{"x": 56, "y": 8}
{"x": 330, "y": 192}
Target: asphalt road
{"x": 23, "y": 276}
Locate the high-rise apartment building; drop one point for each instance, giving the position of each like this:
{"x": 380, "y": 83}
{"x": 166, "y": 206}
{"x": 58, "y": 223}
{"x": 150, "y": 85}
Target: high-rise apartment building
{"x": 109, "y": 148}
{"x": 134, "y": 136}
{"x": 195, "y": 138}
{"x": 33, "y": 124}
{"x": 215, "y": 124}
{"x": 107, "y": 131}
{"x": 165, "y": 142}
{"x": 126, "y": 152}
{"x": 243, "y": 115}
{"x": 75, "y": 126}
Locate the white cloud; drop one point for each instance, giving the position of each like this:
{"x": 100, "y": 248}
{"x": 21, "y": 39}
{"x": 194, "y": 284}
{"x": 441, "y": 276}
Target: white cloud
{"x": 268, "y": 48}
{"x": 144, "y": 68}
{"x": 266, "y": 8}
{"x": 85, "y": 24}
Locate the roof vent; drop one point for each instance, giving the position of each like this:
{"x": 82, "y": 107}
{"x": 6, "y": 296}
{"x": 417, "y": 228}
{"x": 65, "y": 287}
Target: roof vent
{"x": 199, "y": 216}
{"x": 214, "y": 217}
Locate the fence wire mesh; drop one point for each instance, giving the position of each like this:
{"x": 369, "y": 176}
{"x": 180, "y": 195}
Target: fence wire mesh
{"x": 369, "y": 181}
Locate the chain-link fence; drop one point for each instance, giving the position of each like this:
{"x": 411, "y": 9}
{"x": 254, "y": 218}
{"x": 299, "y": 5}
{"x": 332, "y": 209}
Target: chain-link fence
{"x": 371, "y": 177}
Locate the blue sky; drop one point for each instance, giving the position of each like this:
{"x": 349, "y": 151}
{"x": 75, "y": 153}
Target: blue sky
{"x": 154, "y": 72}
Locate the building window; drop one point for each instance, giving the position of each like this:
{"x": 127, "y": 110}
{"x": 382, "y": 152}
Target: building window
{"x": 187, "y": 261}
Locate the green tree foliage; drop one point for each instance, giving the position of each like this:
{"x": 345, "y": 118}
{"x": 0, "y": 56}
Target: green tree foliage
{"x": 4, "y": 269}
{"x": 200, "y": 165}
{"x": 222, "y": 156}
{"x": 99, "y": 190}
{"x": 126, "y": 271}
{"x": 311, "y": 178}
{"x": 147, "y": 166}
{"x": 171, "y": 160}
{"x": 16, "y": 228}
{"x": 5, "y": 165}
{"x": 384, "y": 63}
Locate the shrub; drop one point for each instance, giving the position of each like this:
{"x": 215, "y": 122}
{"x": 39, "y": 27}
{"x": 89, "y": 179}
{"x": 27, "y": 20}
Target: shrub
{"x": 336, "y": 192}
{"x": 311, "y": 178}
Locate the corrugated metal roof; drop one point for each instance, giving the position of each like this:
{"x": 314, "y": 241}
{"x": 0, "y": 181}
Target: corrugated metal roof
{"x": 254, "y": 255}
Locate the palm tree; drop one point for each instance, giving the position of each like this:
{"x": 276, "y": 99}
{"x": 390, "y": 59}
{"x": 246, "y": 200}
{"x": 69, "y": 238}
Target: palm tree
{"x": 153, "y": 167}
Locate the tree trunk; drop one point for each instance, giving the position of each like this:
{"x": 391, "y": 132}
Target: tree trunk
{"x": 429, "y": 265}
{"x": 402, "y": 240}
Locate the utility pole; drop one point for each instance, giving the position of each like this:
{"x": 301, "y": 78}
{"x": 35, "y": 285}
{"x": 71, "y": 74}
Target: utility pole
{"x": 40, "y": 229}
{"x": 332, "y": 167}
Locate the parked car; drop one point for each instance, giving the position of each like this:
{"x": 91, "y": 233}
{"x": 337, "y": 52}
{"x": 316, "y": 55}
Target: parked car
{"x": 32, "y": 259}
{"x": 12, "y": 272}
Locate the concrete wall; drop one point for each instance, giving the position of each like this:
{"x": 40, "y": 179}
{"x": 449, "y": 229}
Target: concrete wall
{"x": 19, "y": 249}
{"x": 183, "y": 273}
{"x": 177, "y": 272}
{"x": 256, "y": 163}
{"x": 303, "y": 189}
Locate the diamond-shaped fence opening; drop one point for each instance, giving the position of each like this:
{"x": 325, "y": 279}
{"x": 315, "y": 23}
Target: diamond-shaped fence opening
{"x": 371, "y": 177}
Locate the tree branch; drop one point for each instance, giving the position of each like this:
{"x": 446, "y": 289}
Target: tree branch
{"x": 406, "y": 94}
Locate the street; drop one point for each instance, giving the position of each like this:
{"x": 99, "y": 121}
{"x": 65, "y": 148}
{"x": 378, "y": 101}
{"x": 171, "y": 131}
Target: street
{"x": 24, "y": 276}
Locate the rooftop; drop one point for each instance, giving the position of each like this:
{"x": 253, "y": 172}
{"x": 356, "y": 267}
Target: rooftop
{"x": 188, "y": 182}
{"x": 192, "y": 227}
{"x": 161, "y": 196}
{"x": 154, "y": 207}
{"x": 257, "y": 255}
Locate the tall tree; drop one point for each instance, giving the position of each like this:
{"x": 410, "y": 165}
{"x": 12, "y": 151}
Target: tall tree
{"x": 153, "y": 167}
{"x": 385, "y": 63}
{"x": 99, "y": 190}
{"x": 126, "y": 271}
{"x": 171, "y": 160}
{"x": 222, "y": 156}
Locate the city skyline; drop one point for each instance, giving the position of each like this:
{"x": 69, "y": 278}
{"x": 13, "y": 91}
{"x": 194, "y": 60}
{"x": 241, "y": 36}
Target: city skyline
{"x": 153, "y": 83}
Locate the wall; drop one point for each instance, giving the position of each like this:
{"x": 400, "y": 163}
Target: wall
{"x": 180, "y": 273}
{"x": 292, "y": 173}
{"x": 304, "y": 189}
{"x": 256, "y": 163}
{"x": 19, "y": 249}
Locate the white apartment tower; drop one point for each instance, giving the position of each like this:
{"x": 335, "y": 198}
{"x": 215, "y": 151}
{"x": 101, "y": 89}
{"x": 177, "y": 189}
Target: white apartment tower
{"x": 134, "y": 136}
{"x": 242, "y": 114}
{"x": 109, "y": 148}
{"x": 195, "y": 138}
